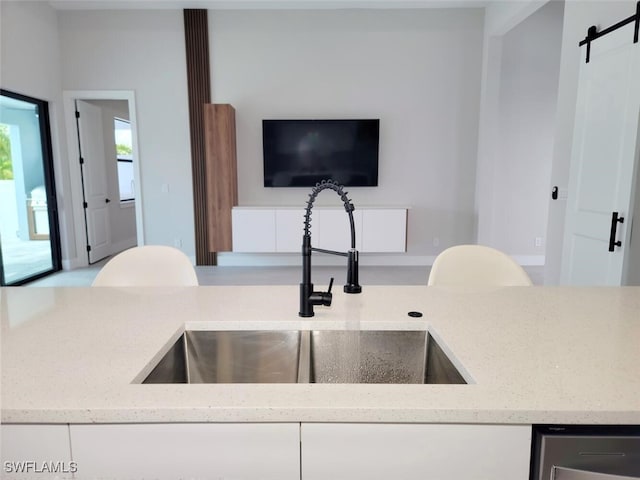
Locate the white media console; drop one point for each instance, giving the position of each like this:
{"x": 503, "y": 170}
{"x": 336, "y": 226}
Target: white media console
{"x": 280, "y": 229}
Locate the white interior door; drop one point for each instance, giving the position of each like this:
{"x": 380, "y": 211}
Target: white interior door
{"x": 603, "y": 159}
{"x": 94, "y": 180}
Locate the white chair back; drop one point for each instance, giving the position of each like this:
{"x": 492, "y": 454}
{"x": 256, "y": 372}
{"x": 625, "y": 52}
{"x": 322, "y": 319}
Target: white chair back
{"x": 147, "y": 266}
{"x": 476, "y": 265}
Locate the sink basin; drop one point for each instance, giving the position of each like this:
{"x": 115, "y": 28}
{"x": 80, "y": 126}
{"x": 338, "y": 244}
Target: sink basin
{"x": 318, "y": 356}
{"x": 230, "y": 357}
{"x": 378, "y": 356}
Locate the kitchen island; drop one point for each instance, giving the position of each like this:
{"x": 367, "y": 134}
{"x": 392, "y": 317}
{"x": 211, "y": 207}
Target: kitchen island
{"x": 531, "y": 355}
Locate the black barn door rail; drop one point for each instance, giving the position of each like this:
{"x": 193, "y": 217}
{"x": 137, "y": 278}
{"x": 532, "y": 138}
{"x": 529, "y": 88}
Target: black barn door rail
{"x": 593, "y": 33}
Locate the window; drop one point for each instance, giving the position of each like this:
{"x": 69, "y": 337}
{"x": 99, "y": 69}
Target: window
{"x": 124, "y": 154}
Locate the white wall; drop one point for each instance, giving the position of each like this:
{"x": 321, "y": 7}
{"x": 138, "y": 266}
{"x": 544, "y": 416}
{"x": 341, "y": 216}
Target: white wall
{"x": 122, "y": 218}
{"x": 578, "y": 16}
{"x": 520, "y": 82}
{"x": 142, "y": 51}
{"x": 416, "y": 70}
{"x": 30, "y": 65}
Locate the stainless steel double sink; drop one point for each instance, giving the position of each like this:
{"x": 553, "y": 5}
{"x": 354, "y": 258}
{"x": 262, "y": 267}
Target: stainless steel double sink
{"x": 300, "y": 356}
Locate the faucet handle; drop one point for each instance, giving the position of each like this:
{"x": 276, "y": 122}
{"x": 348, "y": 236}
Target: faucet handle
{"x": 322, "y": 298}
{"x": 327, "y": 296}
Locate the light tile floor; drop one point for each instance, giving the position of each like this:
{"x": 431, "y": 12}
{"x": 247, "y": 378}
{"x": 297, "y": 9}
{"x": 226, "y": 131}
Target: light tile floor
{"x": 275, "y": 276}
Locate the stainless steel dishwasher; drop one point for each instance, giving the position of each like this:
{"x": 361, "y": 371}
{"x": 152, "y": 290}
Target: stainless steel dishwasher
{"x": 585, "y": 452}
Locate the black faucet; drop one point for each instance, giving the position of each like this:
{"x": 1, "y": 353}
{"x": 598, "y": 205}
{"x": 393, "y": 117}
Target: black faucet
{"x": 309, "y": 298}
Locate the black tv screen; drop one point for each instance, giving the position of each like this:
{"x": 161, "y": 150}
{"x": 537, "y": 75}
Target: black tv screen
{"x": 301, "y": 153}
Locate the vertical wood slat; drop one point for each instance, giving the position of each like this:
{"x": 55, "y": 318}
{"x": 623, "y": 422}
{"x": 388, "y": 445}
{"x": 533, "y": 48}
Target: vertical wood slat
{"x": 196, "y": 34}
{"x": 222, "y": 173}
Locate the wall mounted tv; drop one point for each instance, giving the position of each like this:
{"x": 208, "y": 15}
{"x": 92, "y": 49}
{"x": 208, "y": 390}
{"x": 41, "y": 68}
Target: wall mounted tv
{"x": 301, "y": 153}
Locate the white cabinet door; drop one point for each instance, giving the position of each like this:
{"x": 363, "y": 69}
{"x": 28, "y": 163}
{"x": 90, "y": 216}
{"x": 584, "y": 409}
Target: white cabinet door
{"x": 289, "y": 230}
{"x": 254, "y": 230}
{"x": 384, "y": 230}
{"x": 334, "y": 229}
{"x": 35, "y": 451}
{"x": 438, "y": 452}
{"x": 170, "y": 451}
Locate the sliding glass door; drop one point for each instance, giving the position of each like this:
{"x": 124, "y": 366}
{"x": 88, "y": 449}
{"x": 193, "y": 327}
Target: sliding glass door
{"x": 29, "y": 232}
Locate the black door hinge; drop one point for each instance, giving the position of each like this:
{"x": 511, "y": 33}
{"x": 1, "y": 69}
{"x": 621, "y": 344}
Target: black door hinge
{"x": 81, "y": 161}
{"x": 88, "y": 248}
{"x": 85, "y": 204}
{"x": 77, "y": 114}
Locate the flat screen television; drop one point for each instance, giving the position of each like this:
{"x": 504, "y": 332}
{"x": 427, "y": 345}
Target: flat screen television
{"x": 301, "y": 153}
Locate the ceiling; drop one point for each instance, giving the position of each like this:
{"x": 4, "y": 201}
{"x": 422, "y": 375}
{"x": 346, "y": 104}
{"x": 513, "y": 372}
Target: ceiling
{"x": 261, "y": 4}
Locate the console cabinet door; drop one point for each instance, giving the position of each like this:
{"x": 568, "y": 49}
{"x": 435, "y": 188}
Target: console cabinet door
{"x": 188, "y": 450}
{"x": 335, "y": 229}
{"x": 289, "y": 230}
{"x": 254, "y": 230}
{"x": 420, "y": 452}
{"x": 35, "y": 451}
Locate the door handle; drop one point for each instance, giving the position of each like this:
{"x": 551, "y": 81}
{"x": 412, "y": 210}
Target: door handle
{"x": 615, "y": 219}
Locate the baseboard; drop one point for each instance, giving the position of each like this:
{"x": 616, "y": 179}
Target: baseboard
{"x": 73, "y": 263}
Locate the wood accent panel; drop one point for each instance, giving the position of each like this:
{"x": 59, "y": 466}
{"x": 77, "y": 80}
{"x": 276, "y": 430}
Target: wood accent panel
{"x": 222, "y": 174}
{"x": 196, "y": 35}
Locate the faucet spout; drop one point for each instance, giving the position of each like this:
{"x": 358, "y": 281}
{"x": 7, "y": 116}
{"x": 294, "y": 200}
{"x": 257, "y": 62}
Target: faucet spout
{"x": 352, "y": 285}
{"x": 308, "y": 297}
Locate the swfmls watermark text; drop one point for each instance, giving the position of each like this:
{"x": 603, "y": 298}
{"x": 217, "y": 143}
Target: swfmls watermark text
{"x": 33, "y": 466}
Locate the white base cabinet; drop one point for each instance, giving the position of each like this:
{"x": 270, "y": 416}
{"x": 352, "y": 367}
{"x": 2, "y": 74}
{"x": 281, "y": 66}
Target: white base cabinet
{"x": 420, "y": 452}
{"x": 278, "y": 451}
{"x": 35, "y": 451}
{"x": 268, "y": 451}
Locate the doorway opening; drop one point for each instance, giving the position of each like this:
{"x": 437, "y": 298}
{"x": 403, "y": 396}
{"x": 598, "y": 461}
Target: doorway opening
{"x": 29, "y": 229}
{"x": 105, "y": 173}
{"x": 517, "y": 129}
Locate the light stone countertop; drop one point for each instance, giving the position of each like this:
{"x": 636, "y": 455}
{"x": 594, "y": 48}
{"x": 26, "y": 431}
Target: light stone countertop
{"x": 534, "y": 355}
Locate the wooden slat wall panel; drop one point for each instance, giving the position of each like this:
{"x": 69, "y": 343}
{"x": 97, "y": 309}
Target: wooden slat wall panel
{"x": 222, "y": 173}
{"x": 196, "y": 34}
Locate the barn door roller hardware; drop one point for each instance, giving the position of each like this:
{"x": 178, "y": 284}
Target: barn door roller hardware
{"x": 593, "y": 33}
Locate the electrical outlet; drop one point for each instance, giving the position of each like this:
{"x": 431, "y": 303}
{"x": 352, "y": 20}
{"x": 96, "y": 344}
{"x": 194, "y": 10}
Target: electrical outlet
{"x": 164, "y": 188}
{"x": 177, "y": 242}
{"x": 538, "y": 241}
{"x": 436, "y": 241}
